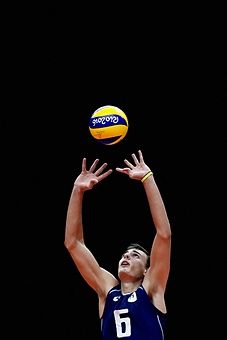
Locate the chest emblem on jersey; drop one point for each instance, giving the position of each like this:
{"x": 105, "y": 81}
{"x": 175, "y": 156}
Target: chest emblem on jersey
{"x": 132, "y": 297}
{"x": 116, "y": 298}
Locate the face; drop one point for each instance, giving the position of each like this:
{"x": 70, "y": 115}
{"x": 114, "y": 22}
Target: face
{"x": 132, "y": 263}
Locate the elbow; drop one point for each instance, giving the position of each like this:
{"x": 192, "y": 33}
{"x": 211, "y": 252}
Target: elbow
{"x": 165, "y": 236}
{"x": 165, "y": 233}
{"x": 168, "y": 233}
{"x": 69, "y": 244}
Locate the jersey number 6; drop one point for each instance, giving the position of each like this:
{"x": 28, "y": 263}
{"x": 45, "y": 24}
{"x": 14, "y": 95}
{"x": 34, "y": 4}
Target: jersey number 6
{"x": 123, "y": 324}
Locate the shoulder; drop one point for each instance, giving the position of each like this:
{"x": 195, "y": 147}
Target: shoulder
{"x": 108, "y": 281}
{"x": 104, "y": 301}
{"x": 115, "y": 290}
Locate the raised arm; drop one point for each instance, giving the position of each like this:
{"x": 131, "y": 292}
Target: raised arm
{"x": 157, "y": 275}
{"x": 94, "y": 275}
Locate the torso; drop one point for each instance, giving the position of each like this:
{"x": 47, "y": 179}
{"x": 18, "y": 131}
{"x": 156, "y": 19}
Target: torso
{"x": 131, "y": 316}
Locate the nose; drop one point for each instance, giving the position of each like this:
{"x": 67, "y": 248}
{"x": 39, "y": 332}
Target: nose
{"x": 126, "y": 256}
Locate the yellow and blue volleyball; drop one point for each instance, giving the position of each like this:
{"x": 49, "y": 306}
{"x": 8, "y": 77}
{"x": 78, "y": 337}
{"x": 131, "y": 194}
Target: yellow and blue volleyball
{"x": 108, "y": 125}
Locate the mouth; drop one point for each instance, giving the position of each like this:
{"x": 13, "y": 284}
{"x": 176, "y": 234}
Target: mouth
{"x": 124, "y": 264}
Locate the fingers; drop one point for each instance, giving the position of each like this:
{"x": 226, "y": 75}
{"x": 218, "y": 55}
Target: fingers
{"x": 100, "y": 170}
{"x": 93, "y": 167}
{"x": 140, "y": 156}
{"x": 141, "y": 160}
{"x": 123, "y": 170}
{"x": 135, "y": 159}
{"x": 94, "y": 164}
{"x": 105, "y": 174}
{"x": 130, "y": 165}
{"x": 84, "y": 164}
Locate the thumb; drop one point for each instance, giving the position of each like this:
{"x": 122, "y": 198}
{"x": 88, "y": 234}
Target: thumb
{"x": 93, "y": 182}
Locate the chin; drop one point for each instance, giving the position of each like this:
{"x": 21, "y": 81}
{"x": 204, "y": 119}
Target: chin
{"x": 123, "y": 270}
{"x": 123, "y": 273}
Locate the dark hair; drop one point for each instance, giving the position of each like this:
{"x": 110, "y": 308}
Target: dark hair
{"x": 139, "y": 247}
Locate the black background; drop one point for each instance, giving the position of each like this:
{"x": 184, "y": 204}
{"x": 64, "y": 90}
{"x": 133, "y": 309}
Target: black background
{"x": 170, "y": 80}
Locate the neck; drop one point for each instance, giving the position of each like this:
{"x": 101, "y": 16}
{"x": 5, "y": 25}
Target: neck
{"x": 129, "y": 287}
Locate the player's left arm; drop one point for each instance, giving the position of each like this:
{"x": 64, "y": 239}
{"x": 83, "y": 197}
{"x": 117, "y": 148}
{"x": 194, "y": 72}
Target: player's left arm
{"x": 158, "y": 273}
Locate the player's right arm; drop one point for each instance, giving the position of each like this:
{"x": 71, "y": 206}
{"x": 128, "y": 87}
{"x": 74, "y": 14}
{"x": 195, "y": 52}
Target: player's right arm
{"x": 99, "y": 279}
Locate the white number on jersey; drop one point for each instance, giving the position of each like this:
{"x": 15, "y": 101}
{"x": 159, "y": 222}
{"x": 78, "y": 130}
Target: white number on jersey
{"x": 123, "y": 324}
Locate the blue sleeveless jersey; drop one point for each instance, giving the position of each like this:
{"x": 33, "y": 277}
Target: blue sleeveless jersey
{"x": 131, "y": 316}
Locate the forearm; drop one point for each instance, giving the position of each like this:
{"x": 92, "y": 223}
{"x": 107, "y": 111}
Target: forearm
{"x": 74, "y": 225}
{"x": 157, "y": 207}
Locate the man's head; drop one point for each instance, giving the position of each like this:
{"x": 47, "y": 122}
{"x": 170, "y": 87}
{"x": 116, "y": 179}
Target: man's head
{"x": 139, "y": 247}
{"x": 134, "y": 262}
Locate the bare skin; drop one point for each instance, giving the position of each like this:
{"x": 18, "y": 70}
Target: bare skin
{"x": 132, "y": 266}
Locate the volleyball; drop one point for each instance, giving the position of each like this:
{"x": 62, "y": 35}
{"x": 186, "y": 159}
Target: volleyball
{"x": 108, "y": 125}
